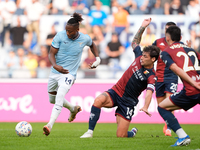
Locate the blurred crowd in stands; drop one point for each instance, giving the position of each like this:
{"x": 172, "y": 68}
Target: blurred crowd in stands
{"x": 24, "y": 55}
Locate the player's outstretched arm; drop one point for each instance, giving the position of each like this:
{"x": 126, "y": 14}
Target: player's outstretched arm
{"x": 94, "y": 50}
{"x": 52, "y": 53}
{"x": 148, "y": 98}
{"x": 138, "y": 36}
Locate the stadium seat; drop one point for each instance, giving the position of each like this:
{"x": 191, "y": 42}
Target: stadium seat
{"x": 21, "y": 73}
{"x": 159, "y": 11}
{"x": 3, "y": 73}
{"x": 103, "y": 72}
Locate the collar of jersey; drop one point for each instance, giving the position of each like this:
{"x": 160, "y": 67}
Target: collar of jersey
{"x": 76, "y": 37}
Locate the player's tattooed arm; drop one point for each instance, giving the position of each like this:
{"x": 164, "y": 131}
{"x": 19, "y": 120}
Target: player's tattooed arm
{"x": 137, "y": 37}
{"x": 139, "y": 33}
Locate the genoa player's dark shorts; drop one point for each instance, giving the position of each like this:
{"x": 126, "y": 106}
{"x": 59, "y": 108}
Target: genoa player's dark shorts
{"x": 166, "y": 87}
{"x": 125, "y": 110}
{"x": 185, "y": 102}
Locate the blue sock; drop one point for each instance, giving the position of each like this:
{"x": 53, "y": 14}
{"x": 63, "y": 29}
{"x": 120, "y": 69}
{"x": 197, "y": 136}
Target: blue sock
{"x": 169, "y": 118}
{"x": 130, "y": 133}
{"x": 168, "y": 128}
{"x": 94, "y": 117}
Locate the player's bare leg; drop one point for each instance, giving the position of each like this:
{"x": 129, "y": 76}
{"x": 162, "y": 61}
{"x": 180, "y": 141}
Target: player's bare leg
{"x": 122, "y": 128}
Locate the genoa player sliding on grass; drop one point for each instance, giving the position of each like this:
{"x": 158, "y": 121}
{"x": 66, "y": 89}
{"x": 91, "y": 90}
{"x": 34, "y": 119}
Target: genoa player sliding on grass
{"x": 124, "y": 94}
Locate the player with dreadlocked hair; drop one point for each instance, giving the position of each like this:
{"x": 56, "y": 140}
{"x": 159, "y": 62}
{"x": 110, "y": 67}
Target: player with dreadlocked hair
{"x": 65, "y": 56}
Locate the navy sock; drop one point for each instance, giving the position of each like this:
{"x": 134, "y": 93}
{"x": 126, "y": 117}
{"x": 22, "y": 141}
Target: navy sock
{"x": 168, "y": 128}
{"x": 169, "y": 118}
{"x": 130, "y": 133}
{"x": 94, "y": 117}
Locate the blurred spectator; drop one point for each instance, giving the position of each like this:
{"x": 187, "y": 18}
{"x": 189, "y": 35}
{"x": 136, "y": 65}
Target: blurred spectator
{"x": 43, "y": 71}
{"x": 44, "y": 56}
{"x": 195, "y": 35}
{"x": 31, "y": 64}
{"x": 34, "y": 13}
{"x": 184, "y": 4}
{"x": 151, "y": 4}
{"x": 7, "y": 9}
{"x": 47, "y": 6}
{"x": 59, "y": 7}
{"x": 165, "y": 2}
{"x": 97, "y": 35}
{"x": 104, "y": 8}
{"x": 114, "y": 50}
{"x": 98, "y": 16}
{"x": 17, "y": 34}
{"x": 157, "y": 9}
{"x": 80, "y": 6}
{"x": 22, "y": 58}
{"x": 120, "y": 22}
{"x": 89, "y": 73}
{"x": 193, "y": 9}
{"x": 106, "y": 3}
{"x": 99, "y": 40}
{"x": 21, "y": 5}
{"x": 126, "y": 4}
{"x": 174, "y": 8}
{"x": 12, "y": 62}
{"x": 148, "y": 38}
{"x": 50, "y": 37}
{"x": 84, "y": 30}
{"x": 139, "y": 7}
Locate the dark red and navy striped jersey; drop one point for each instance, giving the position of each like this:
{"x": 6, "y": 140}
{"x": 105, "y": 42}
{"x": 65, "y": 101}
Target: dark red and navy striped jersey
{"x": 135, "y": 79}
{"x": 162, "y": 72}
{"x": 187, "y": 59}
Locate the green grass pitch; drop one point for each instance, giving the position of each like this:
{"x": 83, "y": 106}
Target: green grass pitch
{"x": 66, "y": 136}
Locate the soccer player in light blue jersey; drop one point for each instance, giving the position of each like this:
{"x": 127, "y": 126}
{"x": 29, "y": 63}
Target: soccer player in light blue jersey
{"x": 65, "y": 56}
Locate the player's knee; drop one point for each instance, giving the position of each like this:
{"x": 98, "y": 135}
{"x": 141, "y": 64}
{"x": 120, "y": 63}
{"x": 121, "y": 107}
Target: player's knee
{"x": 62, "y": 91}
{"x": 122, "y": 135}
{"x": 52, "y": 98}
{"x": 98, "y": 102}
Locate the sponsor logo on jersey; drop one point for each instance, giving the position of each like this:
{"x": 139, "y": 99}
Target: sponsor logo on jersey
{"x": 80, "y": 43}
{"x": 146, "y": 72}
{"x": 137, "y": 73}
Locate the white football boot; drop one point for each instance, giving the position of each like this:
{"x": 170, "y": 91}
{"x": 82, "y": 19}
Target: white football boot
{"x": 88, "y": 134}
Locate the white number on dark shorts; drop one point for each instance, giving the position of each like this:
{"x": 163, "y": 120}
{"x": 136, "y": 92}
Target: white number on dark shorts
{"x": 129, "y": 112}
